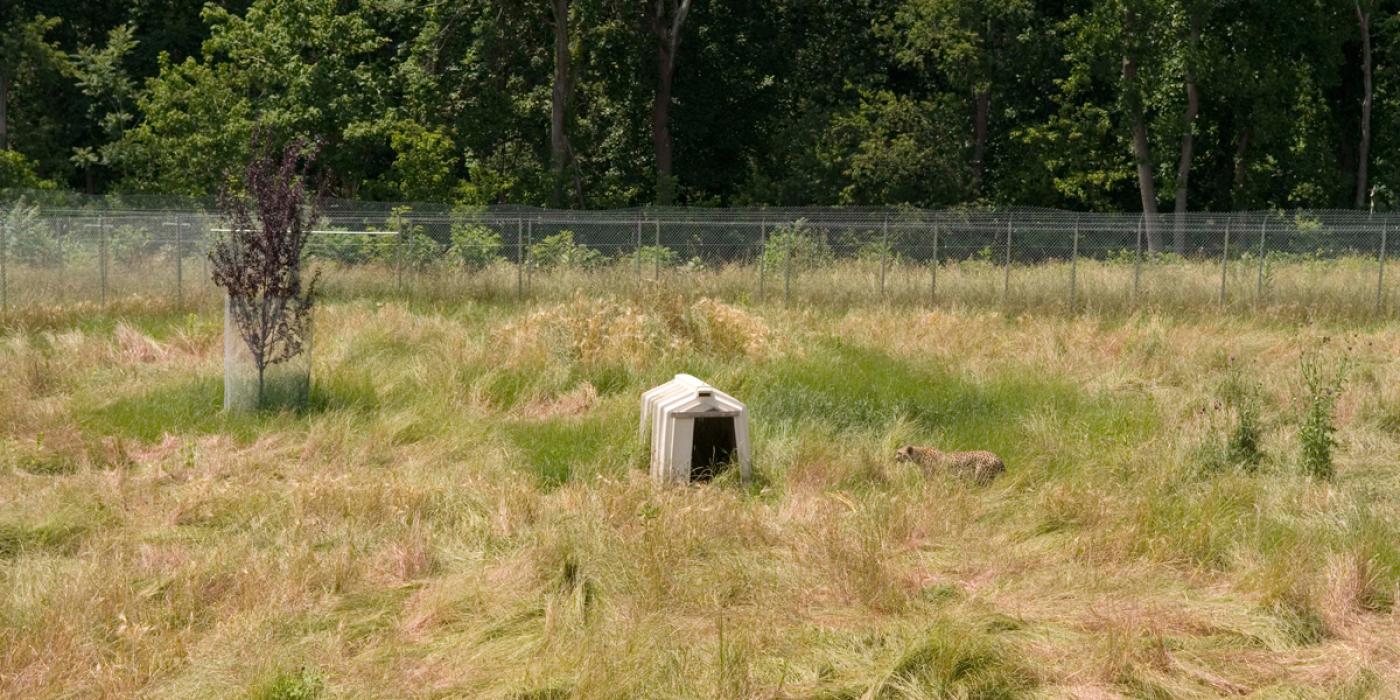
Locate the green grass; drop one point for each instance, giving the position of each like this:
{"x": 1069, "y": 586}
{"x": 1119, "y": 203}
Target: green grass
{"x": 559, "y": 450}
{"x": 194, "y": 406}
{"x": 857, "y": 389}
{"x": 303, "y": 684}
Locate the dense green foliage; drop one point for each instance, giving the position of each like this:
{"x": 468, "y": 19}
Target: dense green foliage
{"x": 1086, "y": 104}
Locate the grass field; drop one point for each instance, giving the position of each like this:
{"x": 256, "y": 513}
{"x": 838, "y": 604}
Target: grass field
{"x": 463, "y": 510}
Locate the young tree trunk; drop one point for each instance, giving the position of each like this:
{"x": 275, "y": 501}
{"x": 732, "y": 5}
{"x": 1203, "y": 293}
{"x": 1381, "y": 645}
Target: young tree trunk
{"x": 1363, "y": 155}
{"x": 1241, "y": 148}
{"x": 1188, "y": 146}
{"x": 1147, "y": 188}
{"x": 558, "y": 138}
{"x": 982, "y": 107}
{"x": 4, "y": 112}
{"x": 661, "y": 129}
{"x": 667, "y": 28}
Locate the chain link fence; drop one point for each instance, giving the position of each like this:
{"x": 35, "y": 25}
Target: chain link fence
{"x": 1312, "y": 262}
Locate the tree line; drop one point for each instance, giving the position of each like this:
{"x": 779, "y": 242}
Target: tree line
{"x": 1100, "y": 105}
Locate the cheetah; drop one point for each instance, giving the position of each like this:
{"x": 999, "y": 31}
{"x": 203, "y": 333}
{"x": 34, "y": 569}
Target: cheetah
{"x": 980, "y": 466}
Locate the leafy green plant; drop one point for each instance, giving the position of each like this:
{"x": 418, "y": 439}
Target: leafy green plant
{"x": 475, "y": 246}
{"x": 413, "y": 247}
{"x": 303, "y": 684}
{"x": 1130, "y": 256}
{"x": 1242, "y": 447}
{"x": 1242, "y": 396}
{"x": 1316, "y": 436}
{"x": 799, "y": 246}
{"x": 128, "y": 245}
{"x": 418, "y": 250}
{"x": 873, "y": 247}
{"x": 560, "y": 250}
{"x": 350, "y": 248}
{"x": 653, "y": 255}
{"x": 28, "y": 239}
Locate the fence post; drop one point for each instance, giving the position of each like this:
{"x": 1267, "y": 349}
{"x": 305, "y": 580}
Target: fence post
{"x": 639, "y": 249}
{"x": 204, "y": 235}
{"x": 1074, "y": 265}
{"x": 656, "y": 274}
{"x": 529, "y": 243}
{"x": 1259, "y": 283}
{"x": 180, "y": 261}
{"x": 519, "y": 259}
{"x": 1380, "y": 268}
{"x": 787, "y": 266}
{"x": 398, "y": 259}
{"x": 102, "y": 254}
{"x": 933, "y": 270}
{"x": 4, "y": 268}
{"x": 60, "y": 229}
{"x": 1224, "y": 262}
{"x": 1137, "y": 260}
{"x": 884, "y": 251}
{"x": 762, "y": 256}
{"x": 1006, "y": 268}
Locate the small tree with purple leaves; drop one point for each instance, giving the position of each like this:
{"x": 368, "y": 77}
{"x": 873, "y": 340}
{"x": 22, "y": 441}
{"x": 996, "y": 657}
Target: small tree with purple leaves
{"x": 258, "y": 261}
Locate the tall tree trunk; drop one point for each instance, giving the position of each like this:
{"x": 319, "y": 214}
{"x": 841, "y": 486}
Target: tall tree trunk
{"x": 661, "y": 130}
{"x": 1241, "y": 148}
{"x": 1363, "y": 155}
{"x": 1147, "y": 188}
{"x": 1188, "y": 147}
{"x": 666, "y": 22}
{"x": 559, "y": 104}
{"x": 982, "y": 107}
{"x": 4, "y": 112}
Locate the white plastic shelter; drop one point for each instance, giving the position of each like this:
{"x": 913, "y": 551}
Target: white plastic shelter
{"x": 696, "y": 430}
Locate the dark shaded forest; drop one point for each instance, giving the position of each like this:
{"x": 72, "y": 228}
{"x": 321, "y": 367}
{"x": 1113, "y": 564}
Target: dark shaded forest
{"x": 1098, "y": 105}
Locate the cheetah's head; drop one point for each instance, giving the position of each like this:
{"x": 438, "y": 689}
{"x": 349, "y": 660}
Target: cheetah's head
{"x": 904, "y": 454}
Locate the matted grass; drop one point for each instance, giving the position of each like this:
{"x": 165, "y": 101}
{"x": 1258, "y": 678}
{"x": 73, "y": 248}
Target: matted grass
{"x": 463, "y": 509}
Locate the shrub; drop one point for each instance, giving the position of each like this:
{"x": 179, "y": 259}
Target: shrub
{"x": 350, "y": 248}
{"x": 475, "y": 246}
{"x": 560, "y": 250}
{"x": 417, "y": 249}
{"x": 797, "y": 245}
{"x": 128, "y": 245}
{"x": 19, "y": 172}
{"x": 28, "y": 239}
{"x": 877, "y": 249}
{"x": 654, "y": 255}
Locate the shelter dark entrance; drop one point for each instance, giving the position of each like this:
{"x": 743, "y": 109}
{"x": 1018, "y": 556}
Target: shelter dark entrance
{"x": 712, "y": 447}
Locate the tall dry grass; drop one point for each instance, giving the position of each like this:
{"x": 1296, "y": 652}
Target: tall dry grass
{"x": 463, "y": 510}
{"x": 1288, "y": 290}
